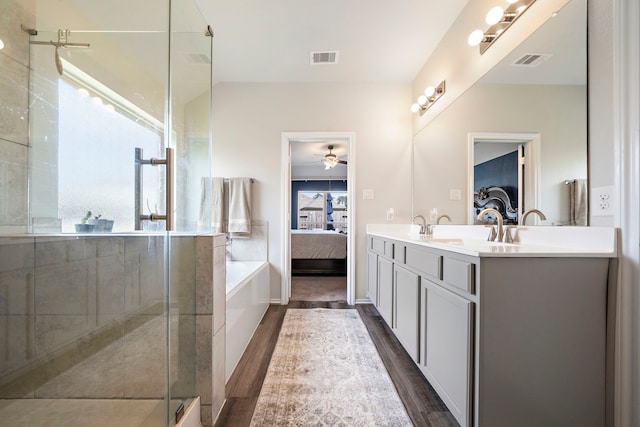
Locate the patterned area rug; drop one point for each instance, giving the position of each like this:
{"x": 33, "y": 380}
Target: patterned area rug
{"x": 325, "y": 371}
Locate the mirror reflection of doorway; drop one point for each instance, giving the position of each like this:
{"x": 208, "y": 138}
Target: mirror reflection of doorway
{"x": 503, "y": 173}
{"x": 498, "y": 175}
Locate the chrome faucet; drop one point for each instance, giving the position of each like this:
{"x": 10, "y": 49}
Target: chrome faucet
{"x": 443, "y": 216}
{"x": 423, "y": 226}
{"x": 530, "y": 211}
{"x": 500, "y": 232}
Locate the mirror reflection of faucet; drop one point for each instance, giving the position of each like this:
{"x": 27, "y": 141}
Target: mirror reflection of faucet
{"x": 532, "y": 211}
{"x": 443, "y": 216}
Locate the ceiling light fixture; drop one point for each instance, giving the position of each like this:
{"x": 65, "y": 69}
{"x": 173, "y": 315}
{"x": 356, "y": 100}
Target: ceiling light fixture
{"x": 431, "y": 95}
{"x": 499, "y": 20}
{"x": 331, "y": 160}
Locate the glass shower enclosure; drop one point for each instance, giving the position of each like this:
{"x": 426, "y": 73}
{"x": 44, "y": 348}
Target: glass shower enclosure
{"x": 104, "y": 142}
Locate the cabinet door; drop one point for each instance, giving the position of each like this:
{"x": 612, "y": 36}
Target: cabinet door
{"x": 372, "y": 277}
{"x": 385, "y": 290}
{"x": 406, "y": 309}
{"x": 447, "y": 340}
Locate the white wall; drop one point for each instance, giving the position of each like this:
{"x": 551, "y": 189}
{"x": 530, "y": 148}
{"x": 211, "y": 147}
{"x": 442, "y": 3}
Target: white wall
{"x": 247, "y": 126}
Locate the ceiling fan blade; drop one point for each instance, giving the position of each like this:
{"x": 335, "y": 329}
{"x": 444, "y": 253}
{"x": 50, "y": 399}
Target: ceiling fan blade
{"x": 344, "y": 162}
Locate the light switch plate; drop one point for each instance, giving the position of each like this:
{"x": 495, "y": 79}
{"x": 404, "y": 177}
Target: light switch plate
{"x": 367, "y": 194}
{"x": 455, "y": 194}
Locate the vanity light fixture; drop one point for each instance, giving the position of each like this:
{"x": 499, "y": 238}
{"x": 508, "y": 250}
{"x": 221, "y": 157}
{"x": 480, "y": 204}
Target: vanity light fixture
{"x": 1, "y": 44}
{"x": 431, "y": 95}
{"x": 498, "y": 19}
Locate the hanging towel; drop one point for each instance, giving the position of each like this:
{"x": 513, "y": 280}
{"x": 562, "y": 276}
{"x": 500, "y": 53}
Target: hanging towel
{"x": 240, "y": 205}
{"x": 211, "y": 205}
{"x": 578, "y": 202}
{"x": 217, "y": 205}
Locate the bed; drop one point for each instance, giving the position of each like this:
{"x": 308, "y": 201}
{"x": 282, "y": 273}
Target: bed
{"x": 318, "y": 252}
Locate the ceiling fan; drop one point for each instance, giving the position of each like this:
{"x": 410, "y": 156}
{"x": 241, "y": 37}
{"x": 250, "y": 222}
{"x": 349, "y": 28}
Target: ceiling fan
{"x": 331, "y": 160}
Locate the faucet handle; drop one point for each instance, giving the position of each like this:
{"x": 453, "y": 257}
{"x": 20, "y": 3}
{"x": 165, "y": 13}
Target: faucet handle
{"x": 506, "y": 237}
{"x": 492, "y": 233}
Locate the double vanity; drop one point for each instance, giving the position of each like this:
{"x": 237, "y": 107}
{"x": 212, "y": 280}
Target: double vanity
{"x": 507, "y": 333}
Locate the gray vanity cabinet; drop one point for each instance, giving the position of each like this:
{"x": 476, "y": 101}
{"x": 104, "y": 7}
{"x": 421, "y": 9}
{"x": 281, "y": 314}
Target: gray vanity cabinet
{"x": 406, "y": 285}
{"x": 505, "y": 339}
{"x": 385, "y": 289}
{"x": 372, "y": 277}
{"x": 446, "y": 322}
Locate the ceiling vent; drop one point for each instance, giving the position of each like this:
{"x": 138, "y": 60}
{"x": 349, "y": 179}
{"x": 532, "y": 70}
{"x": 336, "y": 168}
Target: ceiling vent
{"x": 327, "y": 57}
{"x": 531, "y": 59}
{"x": 197, "y": 58}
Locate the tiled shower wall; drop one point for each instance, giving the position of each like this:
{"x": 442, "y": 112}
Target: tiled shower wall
{"x": 14, "y": 114}
{"x": 84, "y": 317}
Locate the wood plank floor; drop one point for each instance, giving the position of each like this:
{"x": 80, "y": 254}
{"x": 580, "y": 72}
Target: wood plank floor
{"x": 422, "y": 403}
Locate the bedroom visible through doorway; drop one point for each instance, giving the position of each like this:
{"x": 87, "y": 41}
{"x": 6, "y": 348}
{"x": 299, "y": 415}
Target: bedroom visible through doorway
{"x": 319, "y": 218}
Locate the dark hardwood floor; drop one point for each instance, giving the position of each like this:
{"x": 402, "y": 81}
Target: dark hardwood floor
{"x": 421, "y": 402}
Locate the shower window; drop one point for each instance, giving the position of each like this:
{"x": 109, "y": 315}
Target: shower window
{"x": 97, "y": 142}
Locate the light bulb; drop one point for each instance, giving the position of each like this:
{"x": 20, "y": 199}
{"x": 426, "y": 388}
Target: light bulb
{"x": 429, "y": 91}
{"x": 495, "y": 15}
{"x": 521, "y": 9}
{"x": 1, "y": 44}
{"x": 415, "y": 108}
{"x": 83, "y": 92}
{"x": 110, "y": 107}
{"x": 475, "y": 38}
{"x": 97, "y": 100}
{"x": 512, "y": 1}
{"x": 422, "y": 100}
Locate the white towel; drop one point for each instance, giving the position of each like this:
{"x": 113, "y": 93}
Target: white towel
{"x": 578, "y": 202}
{"x": 211, "y": 205}
{"x": 217, "y": 203}
{"x": 240, "y": 205}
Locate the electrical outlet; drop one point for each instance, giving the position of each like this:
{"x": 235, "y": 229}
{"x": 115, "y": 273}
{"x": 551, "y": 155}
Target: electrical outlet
{"x": 390, "y": 214}
{"x": 455, "y": 194}
{"x": 433, "y": 214}
{"x": 603, "y": 201}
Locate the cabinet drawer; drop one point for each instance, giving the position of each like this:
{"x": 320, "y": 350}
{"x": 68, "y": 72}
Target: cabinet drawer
{"x": 426, "y": 262}
{"x": 377, "y": 245}
{"x": 459, "y": 274}
{"x": 383, "y": 247}
{"x": 399, "y": 253}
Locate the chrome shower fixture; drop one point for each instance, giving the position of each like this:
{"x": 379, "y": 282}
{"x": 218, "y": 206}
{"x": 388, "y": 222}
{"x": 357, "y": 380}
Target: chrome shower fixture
{"x": 63, "y": 37}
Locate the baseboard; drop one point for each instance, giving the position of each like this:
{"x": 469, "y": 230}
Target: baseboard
{"x": 363, "y": 301}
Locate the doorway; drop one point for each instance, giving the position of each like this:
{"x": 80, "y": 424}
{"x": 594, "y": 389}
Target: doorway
{"x": 316, "y": 190}
{"x": 503, "y": 173}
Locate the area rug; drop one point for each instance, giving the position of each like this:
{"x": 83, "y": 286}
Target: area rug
{"x": 319, "y": 288}
{"x": 325, "y": 371}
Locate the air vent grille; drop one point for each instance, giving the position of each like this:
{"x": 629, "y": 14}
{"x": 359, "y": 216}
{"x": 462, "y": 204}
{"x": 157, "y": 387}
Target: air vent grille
{"x": 327, "y": 57}
{"x": 531, "y": 59}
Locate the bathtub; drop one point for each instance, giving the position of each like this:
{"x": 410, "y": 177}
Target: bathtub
{"x": 247, "y": 301}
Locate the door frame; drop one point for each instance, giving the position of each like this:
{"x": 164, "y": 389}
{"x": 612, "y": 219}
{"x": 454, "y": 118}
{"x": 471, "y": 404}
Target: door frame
{"x": 532, "y": 143}
{"x": 287, "y": 137}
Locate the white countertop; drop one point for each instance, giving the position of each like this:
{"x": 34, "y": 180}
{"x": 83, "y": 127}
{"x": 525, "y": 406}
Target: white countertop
{"x": 537, "y": 242}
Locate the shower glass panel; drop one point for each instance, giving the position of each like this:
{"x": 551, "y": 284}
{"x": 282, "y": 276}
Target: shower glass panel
{"x": 98, "y": 319}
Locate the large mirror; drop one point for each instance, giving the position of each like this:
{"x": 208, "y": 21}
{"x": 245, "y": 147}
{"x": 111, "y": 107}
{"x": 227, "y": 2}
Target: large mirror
{"x": 517, "y": 139}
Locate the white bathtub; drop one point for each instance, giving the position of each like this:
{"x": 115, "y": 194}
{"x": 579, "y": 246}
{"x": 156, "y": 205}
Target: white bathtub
{"x": 247, "y": 301}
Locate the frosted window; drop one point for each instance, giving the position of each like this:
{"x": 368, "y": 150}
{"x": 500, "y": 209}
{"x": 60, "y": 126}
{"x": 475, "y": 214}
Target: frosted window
{"x": 96, "y": 162}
